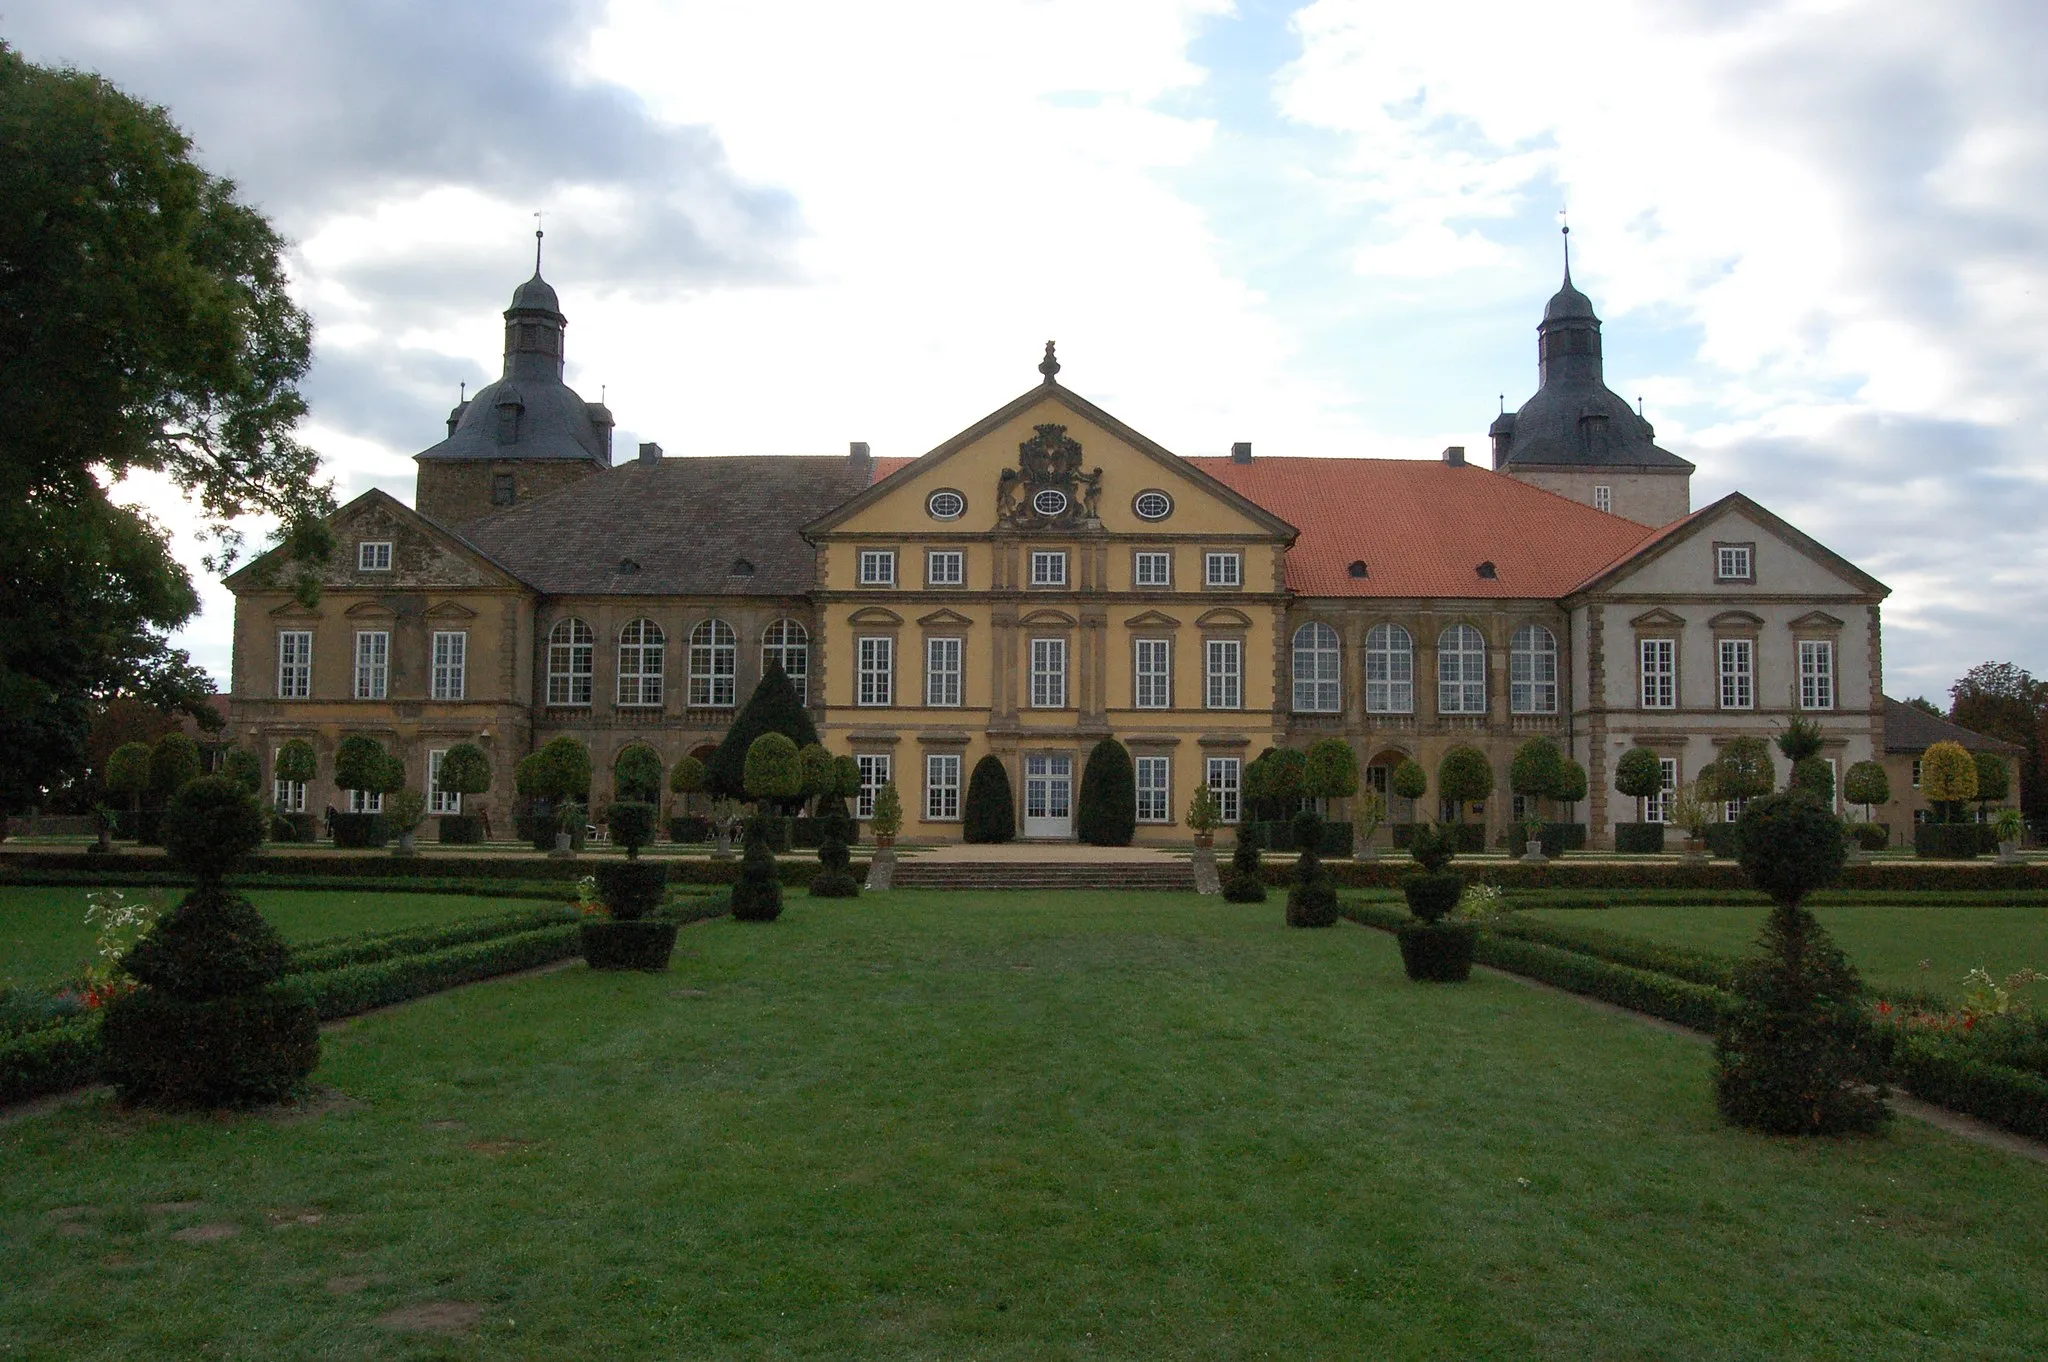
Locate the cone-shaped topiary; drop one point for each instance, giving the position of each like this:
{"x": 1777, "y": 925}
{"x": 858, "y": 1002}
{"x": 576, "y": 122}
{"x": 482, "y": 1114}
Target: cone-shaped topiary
{"x": 772, "y": 708}
{"x": 1312, "y": 898}
{"x": 1433, "y": 950}
{"x": 990, "y": 814}
{"x": 757, "y": 894}
{"x": 1106, "y": 813}
{"x": 1246, "y": 882}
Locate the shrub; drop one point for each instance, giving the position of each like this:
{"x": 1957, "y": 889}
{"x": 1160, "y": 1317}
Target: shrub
{"x": 210, "y": 826}
{"x": 1871, "y": 836}
{"x": 1432, "y": 895}
{"x": 1409, "y": 780}
{"x": 51, "y": 1059}
{"x": 239, "y": 1049}
{"x": 1331, "y": 770}
{"x": 693, "y": 828}
{"x": 636, "y": 774}
{"x": 1571, "y": 783}
{"x": 1464, "y": 776}
{"x": 1312, "y": 899}
{"x": 1437, "y": 952}
{"x": 772, "y": 708}
{"x": 1554, "y": 838}
{"x": 296, "y": 761}
{"x": 687, "y": 777}
{"x": 846, "y": 777}
{"x": 1639, "y": 839}
{"x": 1814, "y": 776}
{"x": 1275, "y": 783}
{"x": 358, "y": 988}
{"x": 1106, "y": 811}
{"x": 244, "y": 769}
{"x": 173, "y": 763}
{"x": 887, "y": 818}
{"x": 359, "y": 763}
{"x": 834, "y": 879}
{"x": 757, "y": 893}
{"x": 360, "y": 830}
{"x": 1537, "y": 770}
{"x": 466, "y": 771}
{"x": 1947, "y": 841}
{"x": 1791, "y": 846}
{"x": 773, "y": 771}
{"x": 558, "y": 772}
{"x": 1867, "y": 784}
{"x": 461, "y": 829}
{"x": 1432, "y": 845}
{"x": 631, "y": 889}
{"x": 637, "y": 944}
{"x": 128, "y": 772}
{"x": 1639, "y": 775}
{"x": 1246, "y": 881}
{"x": 819, "y": 777}
{"x": 1994, "y": 779}
{"x": 1801, "y": 741}
{"x": 1948, "y": 779}
{"x": 1743, "y": 770}
{"x": 632, "y": 825}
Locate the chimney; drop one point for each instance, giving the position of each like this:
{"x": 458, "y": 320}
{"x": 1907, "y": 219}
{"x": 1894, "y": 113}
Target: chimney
{"x": 1241, "y": 452}
{"x": 858, "y": 461}
{"x": 650, "y": 452}
{"x": 1455, "y": 456}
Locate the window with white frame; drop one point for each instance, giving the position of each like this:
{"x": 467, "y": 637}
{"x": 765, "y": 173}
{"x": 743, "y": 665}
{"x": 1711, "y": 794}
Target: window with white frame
{"x": 878, "y": 567}
{"x": 438, "y": 799}
{"x": 373, "y": 556}
{"x": 1222, "y": 569}
{"x": 1389, "y": 670}
{"x": 1731, "y": 809}
{"x": 365, "y": 801}
{"x": 373, "y": 664}
{"x": 1461, "y": 671}
{"x": 1734, "y": 562}
{"x": 945, "y": 567}
{"x": 788, "y": 644}
{"x": 1816, "y": 674}
{"x": 451, "y": 663}
{"x": 1603, "y": 497}
{"x": 942, "y": 672}
{"x": 1155, "y": 790}
{"x": 1835, "y": 785}
{"x": 874, "y": 774}
{"x": 1150, "y": 568}
{"x": 1224, "y": 778}
{"x": 714, "y": 665}
{"x": 1223, "y": 673}
{"x": 294, "y": 664}
{"x": 1658, "y": 668}
{"x": 942, "y": 787}
{"x": 1657, "y": 807}
{"x": 1916, "y": 773}
{"x": 1316, "y": 670}
{"x": 1532, "y": 671}
{"x": 1048, "y": 673}
{"x": 1738, "y": 673}
{"x": 1048, "y": 567}
{"x": 875, "y": 671}
{"x": 642, "y": 648}
{"x": 572, "y": 651}
{"x": 288, "y": 795}
{"x": 1154, "y": 673}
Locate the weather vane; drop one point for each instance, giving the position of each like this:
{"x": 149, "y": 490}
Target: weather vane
{"x": 537, "y": 234}
{"x": 1564, "y": 228}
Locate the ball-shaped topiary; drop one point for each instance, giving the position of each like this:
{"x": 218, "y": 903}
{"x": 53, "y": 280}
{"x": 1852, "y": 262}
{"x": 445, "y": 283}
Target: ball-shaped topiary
{"x": 1571, "y": 783}
{"x": 1639, "y": 774}
{"x": 1948, "y": 778}
{"x": 1106, "y": 811}
{"x": 1791, "y": 845}
{"x": 687, "y": 777}
{"x": 757, "y": 893}
{"x": 173, "y": 762}
{"x": 835, "y": 879}
{"x": 1464, "y": 776}
{"x": 773, "y": 770}
{"x": 210, "y": 826}
{"x": 465, "y": 770}
{"x": 1866, "y": 783}
{"x": 1537, "y": 770}
{"x": 1815, "y": 777}
{"x": 128, "y": 771}
{"x": 990, "y": 813}
{"x": 632, "y": 825}
{"x": 636, "y": 773}
{"x": 1410, "y": 780}
{"x": 1331, "y": 770}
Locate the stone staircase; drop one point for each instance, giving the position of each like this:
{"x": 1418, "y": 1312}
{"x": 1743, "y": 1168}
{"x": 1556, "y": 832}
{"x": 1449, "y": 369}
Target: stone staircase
{"x": 912, "y": 873}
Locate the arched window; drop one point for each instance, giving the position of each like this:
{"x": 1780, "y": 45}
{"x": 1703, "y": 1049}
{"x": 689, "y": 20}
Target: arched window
{"x": 570, "y": 648}
{"x": 789, "y": 643}
{"x": 1389, "y": 670}
{"x": 640, "y": 663}
{"x": 1532, "y": 671}
{"x": 1316, "y": 690}
{"x": 714, "y": 657}
{"x": 1461, "y": 671}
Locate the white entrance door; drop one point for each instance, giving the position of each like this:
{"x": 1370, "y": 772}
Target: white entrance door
{"x": 1048, "y": 796}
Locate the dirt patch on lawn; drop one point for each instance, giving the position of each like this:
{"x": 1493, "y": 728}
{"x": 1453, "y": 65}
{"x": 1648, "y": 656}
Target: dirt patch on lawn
{"x": 174, "y": 1207}
{"x": 452, "y": 1318}
{"x": 207, "y": 1234}
{"x": 347, "y": 1286}
{"x": 492, "y": 1149}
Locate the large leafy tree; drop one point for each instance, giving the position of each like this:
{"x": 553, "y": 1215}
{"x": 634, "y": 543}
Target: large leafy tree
{"x": 145, "y": 326}
{"x": 2002, "y": 700}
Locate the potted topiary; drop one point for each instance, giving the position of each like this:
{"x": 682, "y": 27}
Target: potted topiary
{"x": 686, "y": 781}
{"x": 1866, "y": 783}
{"x": 2011, "y": 829}
{"x": 1311, "y": 899}
{"x": 887, "y": 819}
{"x": 1536, "y": 773}
{"x": 1331, "y": 772}
{"x": 725, "y": 816}
{"x": 1464, "y": 776}
{"x": 1246, "y": 882}
{"x": 1994, "y": 783}
{"x": 628, "y": 936}
{"x": 835, "y": 878}
{"x": 1639, "y": 775}
{"x": 557, "y": 775}
{"x": 210, "y": 1023}
{"x": 465, "y": 773}
{"x": 1433, "y": 950}
{"x": 1203, "y": 816}
{"x": 297, "y": 764}
{"x": 405, "y": 810}
{"x": 1692, "y": 809}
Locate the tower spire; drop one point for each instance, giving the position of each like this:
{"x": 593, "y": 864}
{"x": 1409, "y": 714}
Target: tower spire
{"x": 1564, "y": 229}
{"x": 537, "y": 234}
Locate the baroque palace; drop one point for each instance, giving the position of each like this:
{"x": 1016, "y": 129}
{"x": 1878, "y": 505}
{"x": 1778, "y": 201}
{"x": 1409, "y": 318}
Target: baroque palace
{"x": 1049, "y": 576}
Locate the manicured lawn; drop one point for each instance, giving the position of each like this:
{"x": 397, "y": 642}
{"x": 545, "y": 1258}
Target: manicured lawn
{"x": 1886, "y": 944}
{"x": 1009, "y": 1126}
{"x": 44, "y": 937}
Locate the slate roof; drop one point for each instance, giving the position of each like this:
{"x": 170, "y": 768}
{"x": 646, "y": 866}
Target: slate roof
{"x": 1907, "y": 729}
{"x": 684, "y": 523}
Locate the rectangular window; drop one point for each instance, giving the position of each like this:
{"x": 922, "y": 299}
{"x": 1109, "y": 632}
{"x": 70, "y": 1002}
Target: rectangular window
{"x": 1223, "y": 775}
{"x": 1155, "y": 790}
{"x": 1048, "y": 673}
{"x": 1152, "y": 569}
{"x": 1659, "y": 672}
{"x": 1738, "y": 673}
{"x": 1735, "y": 562}
{"x": 942, "y": 672}
{"x": 438, "y": 799}
{"x": 1603, "y": 498}
{"x": 362, "y": 801}
{"x": 1916, "y": 773}
{"x": 945, "y": 567}
{"x": 1816, "y": 674}
{"x": 1223, "y": 569}
{"x": 878, "y": 567}
{"x": 374, "y": 556}
{"x": 373, "y": 664}
{"x": 874, "y": 774}
{"x": 1225, "y": 671}
{"x": 877, "y": 672}
{"x": 1048, "y": 567}
{"x": 451, "y": 659}
{"x": 503, "y": 491}
{"x": 1731, "y": 809}
{"x": 294, "y": 665}
{"x": 288, "y": 795}
{"x": 942, "y": 787}
{"x": 1657, "y": 808}
{"x": 1155, "y": 673}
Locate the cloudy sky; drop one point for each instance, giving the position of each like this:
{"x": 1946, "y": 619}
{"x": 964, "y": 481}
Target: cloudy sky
{"x": 1817, "y": 231}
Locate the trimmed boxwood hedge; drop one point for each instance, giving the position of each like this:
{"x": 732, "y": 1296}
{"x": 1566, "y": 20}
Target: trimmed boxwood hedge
{"x": 360, "y": 830}
{"x": 53, "y": 1059}
{"x": 1638, "y": 839}
{"x": 1471, "y": 837}
{"x": 2007, "y": 1097}
{"x": 690, "y": 829}
{"x": 1279, "y": 836}
{"x": 461, "y": 829}
{"x": 1556, "y": 838}
{"x": 1950, "y": 841}
{"x": 358, "y": 988}
{"x": 369, "y": 947}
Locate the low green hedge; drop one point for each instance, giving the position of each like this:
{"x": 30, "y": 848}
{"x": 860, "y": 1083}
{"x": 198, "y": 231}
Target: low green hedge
{"x": 358, "y": 988}
{"x": 364, "y": 948}
{"x": 1698, "y": 967}
{"x": 328, "y": 871}
{"x": 1556, "y": 838}
{"x": 461, "y": 829}
{"x": 1638, "y": 839}
{"x": 1279, "y": 836}
{"x": 689, "y": 829}
{"x": 1953, "y": 841}
{"x": 2007, "y": 1097}
{"x": 1471, "y": 837}
{"x": 54, "y": 1059}
{"x": 360, "y": 830}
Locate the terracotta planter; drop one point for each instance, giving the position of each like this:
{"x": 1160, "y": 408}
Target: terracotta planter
{"x": 885, "y": 840}
{"x": 1205, "y": 839}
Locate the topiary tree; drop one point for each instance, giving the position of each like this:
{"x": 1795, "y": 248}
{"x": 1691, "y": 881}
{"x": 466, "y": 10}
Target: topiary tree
{"x": 1867, "y": 784}
{"x": 1948, "y": 779}
{"x": 1246, "y": 882}
{"x": 1280, "y": 783}
{"x": 632, "y": 825}
{"x": 757, "y": 893}
{"x": 1994, "y": 783}
{"x": 1106, "y": 812}
{"x": 557, "y": 775}
{"x": 773, "y": 770}
{"x": 1464, "y": 776}
{"x": 173, "y": 764}
{"x": 1743, "y": 770}
{"x": 1433, "y": 950}
{"x": 887, "y": 818}
{"x": 846, "y": 777}
{"x": 359, "y": 764}
{"x": 1536, "y": 771}
{"x": 1815, "y": 777}
{"x": 1639, "y": 774}
{"x": 128, "y": 774}
{"x": 296, "y": 762}
{"x": 687, "y": 778}
{"x": 819, "y": 779}
{"x": 636, "y": 774}
{"x": 1410, "y": 780}
{"x": 244, "y": 769}
{"x": 1330, "y": 770}
{"x": 772, "y": 708}
{"x": 990, "y": 814}
{"x": 208, "y": 1024}
{"x": 1571, "y": 785}
{"x": 1797, "y": 1055}
{"x": 1800, "y": 741}
{"x": 1312, "y": 898}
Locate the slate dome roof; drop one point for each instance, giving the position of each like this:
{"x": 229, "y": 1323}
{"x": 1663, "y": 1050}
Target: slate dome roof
{"x": 1568, "y": 304}
{"x": 536, "y": 294}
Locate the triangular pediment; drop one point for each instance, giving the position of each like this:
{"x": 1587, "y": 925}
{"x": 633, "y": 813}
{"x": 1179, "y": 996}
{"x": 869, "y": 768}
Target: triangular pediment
{"x": 294, "y": 610}
{"x": 1680, "y": 558}
{"x": 1152, "y": 619}
{"x": 425, "y": 554}
{"x": 370, "y": 610}
{"x": 945, "y": 619}
{"x": 450, "y": 610}
{"x": 1658, "y": 619}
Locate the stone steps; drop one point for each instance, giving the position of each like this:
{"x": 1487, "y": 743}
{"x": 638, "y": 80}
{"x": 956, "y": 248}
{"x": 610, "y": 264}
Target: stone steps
{"x": 1163, "y": 875}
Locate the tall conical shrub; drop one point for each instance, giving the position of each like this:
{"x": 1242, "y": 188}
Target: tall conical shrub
{"x": 1106, "y": 814}
{"x": 991, "y": 811}
{"x": 1246, "y": 882}
{"x": 772, "y": 708}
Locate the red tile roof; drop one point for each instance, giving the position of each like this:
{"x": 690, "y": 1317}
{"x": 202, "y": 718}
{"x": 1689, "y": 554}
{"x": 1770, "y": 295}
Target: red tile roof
{"x": 1423, "y": 527}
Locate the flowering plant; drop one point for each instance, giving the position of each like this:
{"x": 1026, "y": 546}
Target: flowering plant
{"x": 1482, "y": 903}
{"x": 587, "y": 901}
{"x": 118, "y": 922}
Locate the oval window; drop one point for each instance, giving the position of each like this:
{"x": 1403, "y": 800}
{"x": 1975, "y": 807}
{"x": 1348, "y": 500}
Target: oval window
{"x": 1050, "y": 502}
{"x": 1152, "y": 505}
{"x": 946, "y": 505}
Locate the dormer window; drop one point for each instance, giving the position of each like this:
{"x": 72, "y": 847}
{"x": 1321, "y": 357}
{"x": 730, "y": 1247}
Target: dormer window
{"x": 741, "y": 568}
{"x": 1357, "y": 569}
{"x": 503, "y": 490}
{"x": 1593, "y": 432}
{"x": 373, "y": 556}
{"x": 1487, "y": 572}
{"x": 508, "y": 422}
